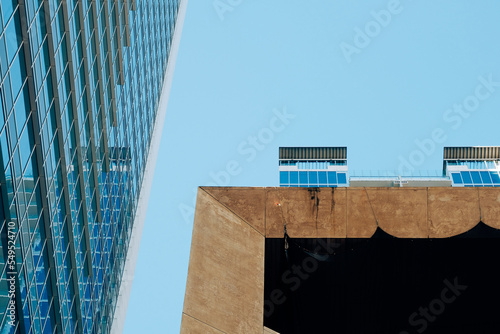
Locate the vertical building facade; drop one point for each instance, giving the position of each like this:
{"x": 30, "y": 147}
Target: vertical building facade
{"x": 83, "y": 91}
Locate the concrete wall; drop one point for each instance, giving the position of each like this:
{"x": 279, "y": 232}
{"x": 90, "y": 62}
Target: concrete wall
{"x": 225, "y": 285}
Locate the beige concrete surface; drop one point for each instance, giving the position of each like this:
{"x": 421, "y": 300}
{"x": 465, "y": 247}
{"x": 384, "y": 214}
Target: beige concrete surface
{"x": 250, "y": 208}
{"x": 191, "y": 325}
{"x": 308, "y": 213}
{"x": 401, "y": 212}
{"x": 452, "y": 211}
{"x": 225, "y": 286}
{"x": 361, "y": 221}
{"x": 489, "y": 199}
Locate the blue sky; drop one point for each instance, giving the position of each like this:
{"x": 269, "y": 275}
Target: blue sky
{"x": 393, "y": 81}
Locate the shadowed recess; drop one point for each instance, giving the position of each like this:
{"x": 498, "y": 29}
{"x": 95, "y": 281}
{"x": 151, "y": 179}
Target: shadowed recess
{"x": 384, "y": 284}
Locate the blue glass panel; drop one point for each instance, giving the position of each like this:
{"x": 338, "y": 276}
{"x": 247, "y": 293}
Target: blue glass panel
{"x": 4, "y": 63}
{"x": 284, "y": 177}
{"x": 342, "y": 178}
{"x": 18, "y": 73}
{"x": 4, "y": 149}
{"x": 313, "y": 177}
{"x": 485, "y": 176}
{"x": 323, "y": 186}
{"x": 322, "y": 177}
{"x": 303, "y": 177}
{"x": 284, "y": 184}
{"x": 466, "y": 177}
{"x": 332, "y": 177}
{"x": 293, "y": 186}
{"x": 495, "y": 177}
{"x": 294, "y": 177}
{"x": 476, "y": 178}
{"x": 14, "y": 40}
{"x": 468, "y": 185}
{"x": 457, "y": 179}
{"x": 7, "y": 9}
{"x": 26, "y": 312}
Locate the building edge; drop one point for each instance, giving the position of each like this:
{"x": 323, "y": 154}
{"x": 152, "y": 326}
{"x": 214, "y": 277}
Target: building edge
{"x": 120, "y": 312}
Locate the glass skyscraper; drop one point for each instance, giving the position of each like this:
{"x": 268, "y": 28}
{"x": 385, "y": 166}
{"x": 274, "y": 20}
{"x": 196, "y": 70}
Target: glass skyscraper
{"x": 83, "y": 91}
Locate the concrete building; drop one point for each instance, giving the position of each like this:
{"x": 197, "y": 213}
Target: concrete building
{"x": 344, "y": 260}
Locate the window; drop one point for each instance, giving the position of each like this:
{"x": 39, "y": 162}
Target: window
{"x": 485, "y": 176}
{"x": 457, "y": 179}
{"x": 303, "y": 178}
{"x": 466, "y": 177}
{"x": 332, "y": 177}
{"x": 322, "y": 178}
{"x": 342, "y": 178}
{"x": 284, "y": 177}
{"x": 495, "y": 177}
{"x": 313, "y": 177}
{"x": 476, "y": 178}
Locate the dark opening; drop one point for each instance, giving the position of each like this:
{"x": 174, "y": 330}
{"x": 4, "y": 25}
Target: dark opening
{"x": 384, "y": 284}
